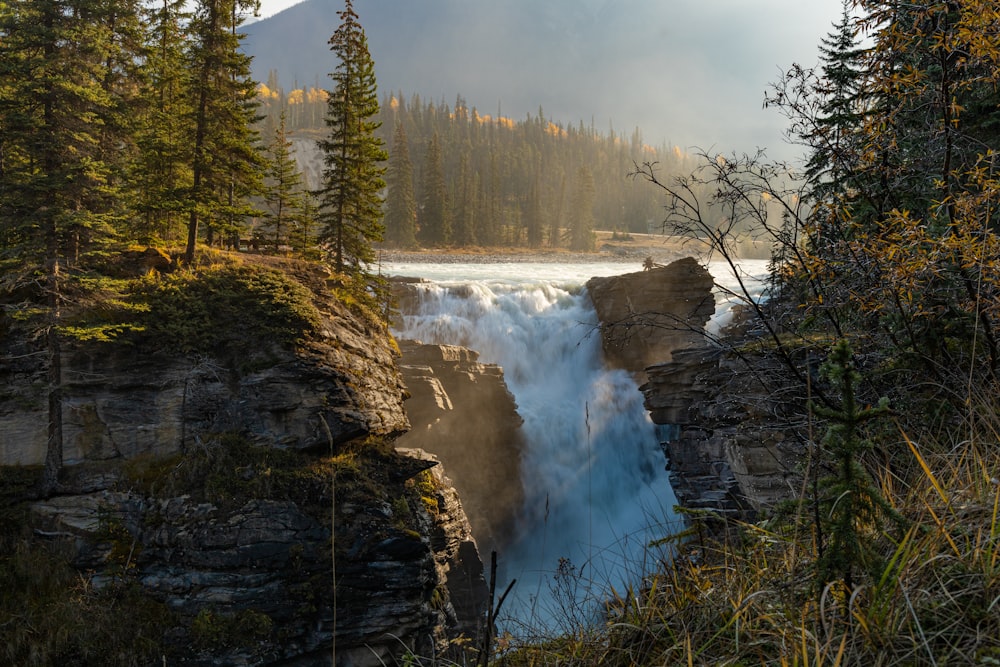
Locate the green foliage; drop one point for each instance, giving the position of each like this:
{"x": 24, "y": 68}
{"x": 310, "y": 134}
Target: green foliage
{"x": 401, "y": 204}
{"x": 851, "y": 507}
{"x": 434, "y": 213}
{"x": 230, "y": 309}
{"x": 427, "y": 489}
{"x": 214, "y": 630}
{"x": 351, "y": 194}
{"x": 226, "y": 167}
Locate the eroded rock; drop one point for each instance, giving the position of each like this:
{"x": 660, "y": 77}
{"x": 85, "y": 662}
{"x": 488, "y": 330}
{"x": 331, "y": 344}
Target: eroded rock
{"x": 462, "y": 412}
{"x": 646, "y": 315}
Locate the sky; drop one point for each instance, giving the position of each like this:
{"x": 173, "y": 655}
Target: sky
{"x": 690, "y": 73}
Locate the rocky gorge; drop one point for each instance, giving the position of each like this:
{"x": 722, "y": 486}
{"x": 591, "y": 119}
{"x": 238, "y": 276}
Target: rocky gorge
{"x": 288, "y": 505}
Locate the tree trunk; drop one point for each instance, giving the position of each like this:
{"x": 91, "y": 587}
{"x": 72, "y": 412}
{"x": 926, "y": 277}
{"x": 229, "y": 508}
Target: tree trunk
{"x": 54, "y": 448}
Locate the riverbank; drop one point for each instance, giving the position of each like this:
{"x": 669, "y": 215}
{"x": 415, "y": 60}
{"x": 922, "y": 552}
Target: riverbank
{"x": 610, "y": 248}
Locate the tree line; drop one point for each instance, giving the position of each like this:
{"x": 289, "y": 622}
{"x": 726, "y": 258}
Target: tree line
{"x": 458, "y": 177}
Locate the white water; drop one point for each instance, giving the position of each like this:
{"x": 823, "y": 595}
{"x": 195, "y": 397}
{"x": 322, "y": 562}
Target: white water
{"x": 596, "y": 489}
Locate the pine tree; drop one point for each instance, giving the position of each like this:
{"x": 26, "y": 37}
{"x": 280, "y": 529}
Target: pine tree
{"x": 226, "y": 167}
{"x": 434, "y": 216}
{"x": 58, "y": 116}
{"x": 581, "y": 230}
{"x": 163, "y": 172}
{"x": 533, "y": 217}
{"x": 351, "y": 200}
{"x": 466, "y": 202}
{"x": 284, "y": 197}
{"x": 401, "y": 205}
{"x": 833, "y": 136}
{"x": 850, "y": 503}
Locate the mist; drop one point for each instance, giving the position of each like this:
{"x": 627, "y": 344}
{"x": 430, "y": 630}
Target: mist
{"x": 686, "y": 73}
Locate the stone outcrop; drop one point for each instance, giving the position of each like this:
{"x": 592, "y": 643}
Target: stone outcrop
{"x": 121, "y": 402}
{"x": 461, "y": 410}
{"x": 408, "y": 574}
{"x": 151, "y": 498}
{"x": 716, "y": 422}
{"x": 717, "y": 426}
{"x": 647, "y": 315}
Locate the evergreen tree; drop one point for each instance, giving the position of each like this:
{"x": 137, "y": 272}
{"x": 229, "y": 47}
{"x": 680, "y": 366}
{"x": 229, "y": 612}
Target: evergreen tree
{"x": 850, "y": 501}
{"x": 351, "y": 200}
{"x": 226, "y": 166}
{"x": 555, "y": 223}
{"x": 533, "y": 217}
{"x": 833, "y": 134}
{"x": 284, "y": 197}
{"x": 401, "y": 205}
{"x": 581, "y": 230}
{"x": 163, "y": 172}
{"x": 434, "y": 216}
{"x": 466, "y": 202}
{"x": 58, "y": 117}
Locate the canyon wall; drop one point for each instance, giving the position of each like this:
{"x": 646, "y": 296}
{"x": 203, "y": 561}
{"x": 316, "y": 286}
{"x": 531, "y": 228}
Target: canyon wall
{"x": 461, "y": 410}
{"x": 215, "y": 489}
{"x": 715, "y": 421}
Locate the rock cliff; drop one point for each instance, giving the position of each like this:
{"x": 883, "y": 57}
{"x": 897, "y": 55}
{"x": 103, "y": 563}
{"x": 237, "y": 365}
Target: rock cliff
{"x": 462, "y": 411}
{"x": 719, "y": 426}
{"x": 715, "y": 421}
{"x": 647, "y": 315}
{"x": 121, "y": 401}
{"x": 247, "y": 507}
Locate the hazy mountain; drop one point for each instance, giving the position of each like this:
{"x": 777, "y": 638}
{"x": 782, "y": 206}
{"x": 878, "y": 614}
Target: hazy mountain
{"x": 678, "y": 70}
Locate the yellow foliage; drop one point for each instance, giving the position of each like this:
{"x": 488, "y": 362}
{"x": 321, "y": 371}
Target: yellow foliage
{"x": 317, "y": 95}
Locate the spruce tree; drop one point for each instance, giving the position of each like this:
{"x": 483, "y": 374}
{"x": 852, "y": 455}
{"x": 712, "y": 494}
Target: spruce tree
{"x": 850, "y": 502}
{"x": 163, "y": 172}
{"x": 226, "y": 166}
{"x": 835, "y": 130}
{"x": 284, "y": 197}
{"x": 350, "y": 198}
{"x": 401, "y": 205}
{"x": 581, "y": 226}
{"x": 466, "y": 201}
{"x": 58, "y": 116}
{"x": 533, "y": 217}
{"x": 434, "y": 216}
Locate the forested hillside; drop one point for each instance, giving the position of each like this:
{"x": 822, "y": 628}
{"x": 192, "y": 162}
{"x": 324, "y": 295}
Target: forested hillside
{"x": 461, "y": 177}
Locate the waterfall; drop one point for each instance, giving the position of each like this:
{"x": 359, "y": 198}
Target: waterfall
{"x": 596, "y": 487}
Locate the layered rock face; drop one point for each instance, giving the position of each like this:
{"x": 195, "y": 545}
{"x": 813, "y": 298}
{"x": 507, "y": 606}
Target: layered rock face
{"x": 242, "y": 556}
{"x": 408, "y": 574}
{"x": 461, "y": 410}
{"x": 717, "y": 427}
{"x": 647, "y": 315}
{"x": 119, "y": 402}
{"x": 715, "y": 421}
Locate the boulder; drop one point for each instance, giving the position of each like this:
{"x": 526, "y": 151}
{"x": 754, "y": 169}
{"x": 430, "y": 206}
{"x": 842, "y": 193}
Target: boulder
{"x": 646, "y": 315}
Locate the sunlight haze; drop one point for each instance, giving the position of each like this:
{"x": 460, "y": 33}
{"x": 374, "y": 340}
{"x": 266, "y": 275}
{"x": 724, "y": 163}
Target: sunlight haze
{"x": 686, "y": 73}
